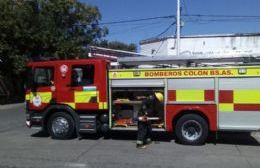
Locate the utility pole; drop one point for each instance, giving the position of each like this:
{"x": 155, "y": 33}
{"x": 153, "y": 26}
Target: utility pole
{"x": 178, "y": 29}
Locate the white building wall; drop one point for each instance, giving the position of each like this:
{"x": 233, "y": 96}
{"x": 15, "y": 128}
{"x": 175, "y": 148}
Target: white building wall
{"x": 156, "y": 48}
{"x": 208, "y": 46}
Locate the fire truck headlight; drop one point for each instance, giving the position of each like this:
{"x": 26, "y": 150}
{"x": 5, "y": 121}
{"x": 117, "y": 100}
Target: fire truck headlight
{"x": 28, "y": 123}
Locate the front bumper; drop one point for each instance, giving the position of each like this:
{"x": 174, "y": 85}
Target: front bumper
{"x": 34, "y": 120}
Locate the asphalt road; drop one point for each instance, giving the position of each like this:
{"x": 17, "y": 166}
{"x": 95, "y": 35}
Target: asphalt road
{"x": 22, "y": 147}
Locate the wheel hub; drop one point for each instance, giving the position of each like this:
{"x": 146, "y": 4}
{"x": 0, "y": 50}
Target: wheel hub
{"x": 60, "y": 126}
{"x": 191, "y": 130}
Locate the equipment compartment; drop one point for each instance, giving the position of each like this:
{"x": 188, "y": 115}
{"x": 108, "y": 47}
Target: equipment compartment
{"x": 126, "y": 102}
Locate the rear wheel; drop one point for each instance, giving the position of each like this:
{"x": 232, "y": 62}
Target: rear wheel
{"x": 61, "y": 126}
{"x": 191, "y": 129}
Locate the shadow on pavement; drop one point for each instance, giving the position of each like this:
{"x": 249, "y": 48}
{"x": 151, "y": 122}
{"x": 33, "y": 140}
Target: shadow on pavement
{"x": 40, "y": 134}
{"x": 90, "y": 136}
{"x": 129, "y": 135}
{"x": 234, "y": 138}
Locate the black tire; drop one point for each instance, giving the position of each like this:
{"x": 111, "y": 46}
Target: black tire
{"x": 191, "y": 129}
{"x": 61, "y": 126}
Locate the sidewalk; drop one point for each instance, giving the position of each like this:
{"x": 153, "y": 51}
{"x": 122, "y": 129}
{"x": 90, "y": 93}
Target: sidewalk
{"x": 10, "y": 106}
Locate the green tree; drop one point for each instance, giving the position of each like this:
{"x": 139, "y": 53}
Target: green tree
{"x": 13, "y": 35}
{"x": 117, "y": 45}
{"x": 47, "y": 28}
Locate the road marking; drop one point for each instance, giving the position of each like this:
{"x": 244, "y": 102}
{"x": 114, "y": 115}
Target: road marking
{"x": 75, "y": 165}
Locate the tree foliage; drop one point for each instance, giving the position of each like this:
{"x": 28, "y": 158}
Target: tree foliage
{"x": 117, "y": 45}
{"x": 47, "y": 28}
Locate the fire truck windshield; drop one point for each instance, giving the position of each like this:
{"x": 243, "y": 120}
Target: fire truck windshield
{"x": 39, "y": 77}
{"x": 43, "y": 76}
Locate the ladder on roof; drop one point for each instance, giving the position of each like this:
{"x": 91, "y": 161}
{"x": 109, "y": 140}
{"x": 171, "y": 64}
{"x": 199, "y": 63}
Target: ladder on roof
{"x": 246, "y": 60}
{"x": 133, "y": 59}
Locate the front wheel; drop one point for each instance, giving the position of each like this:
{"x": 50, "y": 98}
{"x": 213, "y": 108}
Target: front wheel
{"x": 61, "y": 126}
{"x": 191, "y": 129}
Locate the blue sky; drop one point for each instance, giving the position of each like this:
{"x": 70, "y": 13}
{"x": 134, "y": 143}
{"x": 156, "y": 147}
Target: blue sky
{"x": 117, "y": 10}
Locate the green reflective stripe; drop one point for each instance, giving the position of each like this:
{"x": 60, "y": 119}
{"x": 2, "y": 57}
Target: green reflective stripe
{"x": 226, "y": 107}
{"x": 84, "y": 96}
{"x": 190, "y": 95}
{"x": 247, "y": 96}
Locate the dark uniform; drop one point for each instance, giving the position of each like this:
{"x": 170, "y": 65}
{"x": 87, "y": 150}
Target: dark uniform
{"x": 144, "y": 126}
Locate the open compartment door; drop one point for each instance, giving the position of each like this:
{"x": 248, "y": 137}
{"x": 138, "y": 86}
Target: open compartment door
{"x": 126, "y": 103}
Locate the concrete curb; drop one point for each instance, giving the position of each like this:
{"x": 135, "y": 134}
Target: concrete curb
{"x": 11, "y": 106}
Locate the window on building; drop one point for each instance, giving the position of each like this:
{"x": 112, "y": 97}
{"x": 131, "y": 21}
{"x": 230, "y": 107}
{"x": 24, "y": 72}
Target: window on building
{"x": 82, "y": 75}
{"x": 43, "y": 76}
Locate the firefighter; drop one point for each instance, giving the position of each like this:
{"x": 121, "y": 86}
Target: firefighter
{"x": 147, "y": 109}
{"x": 77, "y": 75}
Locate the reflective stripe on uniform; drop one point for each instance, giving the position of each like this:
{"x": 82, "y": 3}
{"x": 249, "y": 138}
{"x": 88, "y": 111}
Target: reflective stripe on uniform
{"x": 139, "y": 142}
{"x": 102, "y": 105}
{"x": 105, "y": 105}
{"x": 27, "y": 97}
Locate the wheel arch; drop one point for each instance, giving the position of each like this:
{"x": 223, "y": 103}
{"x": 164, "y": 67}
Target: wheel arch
{"x": 185, "y": 112}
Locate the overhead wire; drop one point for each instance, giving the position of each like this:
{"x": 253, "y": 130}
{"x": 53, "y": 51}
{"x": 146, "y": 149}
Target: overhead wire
{"x": 137, "y": 20}
{"x": 174, "y": 16}
{"x": 173, "y": 23}
{"x": 195, "y": 18}
{"x": 138, "y": 27}
{"x": 220, "y": 15}
{"x": 208, "y": 20}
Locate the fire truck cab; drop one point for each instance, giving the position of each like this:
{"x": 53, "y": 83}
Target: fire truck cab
{"x": 69, "y": 97}
{"x": 62, "y": 95}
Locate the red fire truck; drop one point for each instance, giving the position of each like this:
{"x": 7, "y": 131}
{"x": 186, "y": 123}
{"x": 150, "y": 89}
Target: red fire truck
{"x": 70, "y": 97}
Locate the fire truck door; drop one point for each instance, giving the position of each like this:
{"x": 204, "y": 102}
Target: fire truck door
{"x": 239, "y": 103}
{"x": 42, "y": 92}
{"x": 83, "y": 87}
